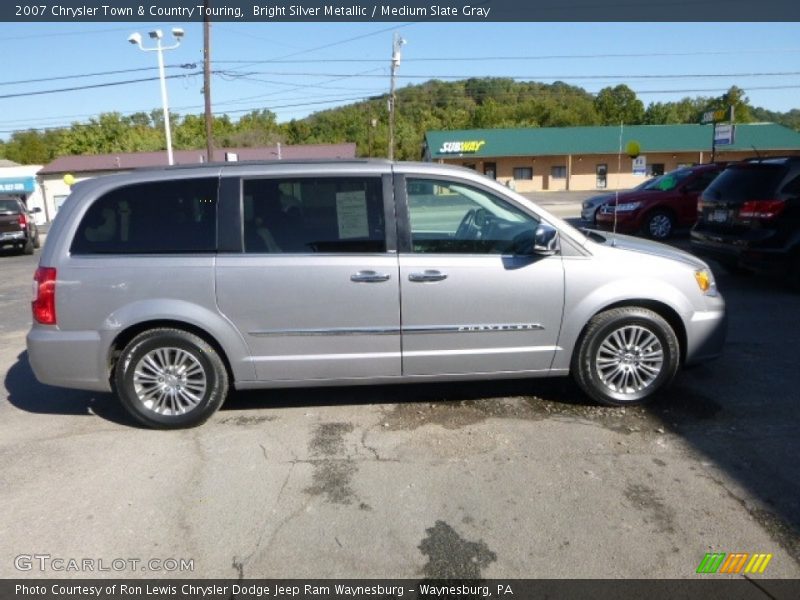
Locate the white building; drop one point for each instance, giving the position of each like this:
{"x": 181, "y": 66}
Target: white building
{"x": 19, "y": 181}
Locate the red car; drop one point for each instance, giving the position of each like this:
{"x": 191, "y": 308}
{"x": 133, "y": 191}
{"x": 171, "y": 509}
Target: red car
{"x": 663, "y": 204}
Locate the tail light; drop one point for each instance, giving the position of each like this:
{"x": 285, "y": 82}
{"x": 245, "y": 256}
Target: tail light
{"x": 23, "y": 221}
{"x": 761, "y": 209}
{"x": 44, "y": 296}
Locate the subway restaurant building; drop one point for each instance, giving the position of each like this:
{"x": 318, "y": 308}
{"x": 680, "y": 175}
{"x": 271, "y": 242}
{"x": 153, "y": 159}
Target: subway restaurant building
{"x": 588, "y": 158}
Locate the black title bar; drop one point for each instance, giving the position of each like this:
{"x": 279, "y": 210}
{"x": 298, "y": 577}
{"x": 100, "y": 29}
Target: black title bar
{"x": 705, "y": 588}
{"x": 274, "y": 11}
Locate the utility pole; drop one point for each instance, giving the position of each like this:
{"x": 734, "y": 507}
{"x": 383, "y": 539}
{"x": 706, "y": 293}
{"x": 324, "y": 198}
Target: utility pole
{"x": 397, "y": 43}
{"x": 207, "y": 82}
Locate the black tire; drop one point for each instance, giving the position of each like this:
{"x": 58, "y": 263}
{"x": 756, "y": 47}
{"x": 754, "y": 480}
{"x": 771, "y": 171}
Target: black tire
{"x": 37, "y": 242}
{"x": 594, "y": 346}
{"x": 28, "y": 247}
{"x": 161, "y": 408}
{"x": 659, "y": 225}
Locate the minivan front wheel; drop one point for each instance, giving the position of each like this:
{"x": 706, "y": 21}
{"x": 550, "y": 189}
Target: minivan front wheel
{"x": 625, "y": 356}
{"x": 170, "y": 379}
{"x": 659, "y": 225}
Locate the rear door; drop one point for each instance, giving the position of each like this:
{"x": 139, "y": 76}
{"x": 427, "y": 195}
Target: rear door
{"x": 470, "y": 303}
{"x": 739, "y": 184}
{"x": 686, "y": 200}
{"x": 315, "y": 290}
{"x": 9, "y": 218}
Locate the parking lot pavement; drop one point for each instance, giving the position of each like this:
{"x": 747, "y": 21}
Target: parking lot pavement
{"x": 517, "y": 479}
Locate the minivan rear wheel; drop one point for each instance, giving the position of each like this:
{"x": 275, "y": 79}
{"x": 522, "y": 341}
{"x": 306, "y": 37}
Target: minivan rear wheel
{"x": 170, "y": 379}
{"x": 625, "y": 356}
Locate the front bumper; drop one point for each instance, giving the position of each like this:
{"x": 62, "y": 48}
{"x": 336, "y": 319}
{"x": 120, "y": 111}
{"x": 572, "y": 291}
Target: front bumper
{"x": 627, "y": 222}
{"x": 706, "y": 332}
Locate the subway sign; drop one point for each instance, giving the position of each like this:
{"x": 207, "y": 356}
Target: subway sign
{"x": 466, "y": 147}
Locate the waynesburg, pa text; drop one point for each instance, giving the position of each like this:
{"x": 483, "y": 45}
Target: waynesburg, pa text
{"x": 245, "y": 589}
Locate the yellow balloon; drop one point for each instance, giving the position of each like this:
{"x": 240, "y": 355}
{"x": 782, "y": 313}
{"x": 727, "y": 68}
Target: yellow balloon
{"x": 69, "y": 179}
{"x": 632, "y": 149}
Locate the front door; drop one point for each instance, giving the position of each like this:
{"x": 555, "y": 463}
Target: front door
{"x": 471, "y": 302}
{"x": 315, "y": 293}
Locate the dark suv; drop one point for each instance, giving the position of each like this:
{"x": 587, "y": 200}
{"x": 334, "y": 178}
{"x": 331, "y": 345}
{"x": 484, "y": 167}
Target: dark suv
{"x": 749, "y": 217}
{"x": 17, "y": 227}
{"x": 661, "y": 205}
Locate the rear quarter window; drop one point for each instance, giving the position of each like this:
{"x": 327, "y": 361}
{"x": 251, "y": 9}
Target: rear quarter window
{"x": 162, "y": 217}
{"x": 747, "y": 182}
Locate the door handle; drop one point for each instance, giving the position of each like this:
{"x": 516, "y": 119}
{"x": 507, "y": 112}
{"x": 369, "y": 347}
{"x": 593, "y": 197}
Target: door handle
{"x": 369, "y": 277}
{"x": 427, "y": 275}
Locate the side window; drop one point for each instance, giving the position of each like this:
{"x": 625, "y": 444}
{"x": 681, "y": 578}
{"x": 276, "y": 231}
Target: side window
{"x": 448, "y": 217}
{"x": 793, "y": 187}
{"x": 302, "y": 215}
{"x": 159, "y": 217}
{"x": 702, "y": 181}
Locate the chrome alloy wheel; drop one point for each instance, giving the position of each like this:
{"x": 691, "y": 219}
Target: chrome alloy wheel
{"x": 660, "y": 226}
{"x": 629, "y": 359}
{"x": 169, "y": 381}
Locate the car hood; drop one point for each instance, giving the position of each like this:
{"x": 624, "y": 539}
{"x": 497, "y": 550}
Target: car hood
{"x": 641, "y": 246}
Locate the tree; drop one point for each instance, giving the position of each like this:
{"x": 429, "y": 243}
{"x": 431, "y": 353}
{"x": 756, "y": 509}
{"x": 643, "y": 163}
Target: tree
{"x": 733, "y": 97}
{"x": 619, "y": 105}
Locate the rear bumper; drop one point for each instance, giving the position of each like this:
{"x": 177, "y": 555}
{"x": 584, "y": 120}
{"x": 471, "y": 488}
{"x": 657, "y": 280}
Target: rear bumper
{"x": 72, "y": 359}
{"x": 739, "y": 252}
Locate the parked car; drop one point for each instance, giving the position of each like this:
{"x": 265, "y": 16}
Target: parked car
{"x": 170, "y": 286}
{"x": 662, "y": 205}
{"x": 17, "y": 227}
{"x": 591, "y": 206}
{"x": 749, "y": 217}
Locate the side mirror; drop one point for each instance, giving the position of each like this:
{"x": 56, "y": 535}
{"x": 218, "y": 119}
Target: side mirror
{"x": 545, "y": 240}
{"x": 36, "y": 209}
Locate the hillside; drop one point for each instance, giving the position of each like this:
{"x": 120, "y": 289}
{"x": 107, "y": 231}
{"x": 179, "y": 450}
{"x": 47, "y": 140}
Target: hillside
{"x": 470, "y": 103}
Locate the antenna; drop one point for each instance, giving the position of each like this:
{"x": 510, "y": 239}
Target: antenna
{"x": 758, "y": 154}
{"x": 616, "y": 193}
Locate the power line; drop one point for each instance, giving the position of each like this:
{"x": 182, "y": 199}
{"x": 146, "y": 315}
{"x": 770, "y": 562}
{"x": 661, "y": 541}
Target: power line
{"x": 528, "y": 77}
{"x": 627, "y": 56}
{"x": 61, "y": 34}
{"x": 98, "y": 74}
{"x": 94, "y": 86}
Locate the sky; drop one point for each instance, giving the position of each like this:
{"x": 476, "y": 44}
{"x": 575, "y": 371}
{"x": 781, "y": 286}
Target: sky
{"x": 294, "y": 69}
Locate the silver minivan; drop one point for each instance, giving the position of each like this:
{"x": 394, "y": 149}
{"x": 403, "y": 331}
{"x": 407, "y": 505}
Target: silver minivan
{"x": 169, "y": 286}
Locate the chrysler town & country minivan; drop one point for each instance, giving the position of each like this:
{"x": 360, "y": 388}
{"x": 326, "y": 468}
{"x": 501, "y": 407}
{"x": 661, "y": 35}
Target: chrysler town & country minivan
{"x": 171, "y": 286}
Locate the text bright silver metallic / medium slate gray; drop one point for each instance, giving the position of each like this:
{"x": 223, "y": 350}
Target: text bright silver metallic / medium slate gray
{"x": 168, "y": 286}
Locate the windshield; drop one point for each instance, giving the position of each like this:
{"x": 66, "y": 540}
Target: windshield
{"x": 9, "y": 206}
{"x": 668, "y": 182}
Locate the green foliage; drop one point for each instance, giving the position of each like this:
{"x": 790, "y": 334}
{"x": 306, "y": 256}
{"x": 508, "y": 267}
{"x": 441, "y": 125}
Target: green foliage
{"x": 492, "y": 102}
{"x": 619, "y": 105}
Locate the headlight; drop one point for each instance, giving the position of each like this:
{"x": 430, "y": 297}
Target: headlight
{"x": 705, "y": 281}
{"x": 626, "y": 207}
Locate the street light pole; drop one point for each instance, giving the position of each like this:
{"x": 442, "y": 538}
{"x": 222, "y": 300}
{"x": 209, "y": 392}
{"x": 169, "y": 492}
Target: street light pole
{"x": 157, "y": 35}
{"x": 397, "y": 44}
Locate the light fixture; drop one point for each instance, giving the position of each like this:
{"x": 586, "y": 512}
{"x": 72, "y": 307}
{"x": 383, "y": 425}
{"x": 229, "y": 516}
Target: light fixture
{"x": 157, "y": 35}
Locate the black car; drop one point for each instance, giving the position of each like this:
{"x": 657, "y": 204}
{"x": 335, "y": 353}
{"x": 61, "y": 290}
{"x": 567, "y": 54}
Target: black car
{"x": 749, "y": 217}
{"x": 17, "y": 227}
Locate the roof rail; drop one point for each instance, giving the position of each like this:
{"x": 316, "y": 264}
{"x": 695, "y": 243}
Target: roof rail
{"x": 245, "y": 163}
{"x": 776, "y": 157}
